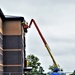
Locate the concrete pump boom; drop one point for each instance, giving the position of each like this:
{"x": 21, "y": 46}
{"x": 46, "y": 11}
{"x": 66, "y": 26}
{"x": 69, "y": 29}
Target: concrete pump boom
{"x": 44, "y": 41}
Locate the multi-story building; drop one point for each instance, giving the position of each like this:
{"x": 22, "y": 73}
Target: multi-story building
{"x": 12, "y": 44}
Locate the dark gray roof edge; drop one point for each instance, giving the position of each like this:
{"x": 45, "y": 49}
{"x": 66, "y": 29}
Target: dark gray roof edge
{"x": 14, "y": 18}
{"x": 2, "y": 15}
{"x": 10, "y": 18}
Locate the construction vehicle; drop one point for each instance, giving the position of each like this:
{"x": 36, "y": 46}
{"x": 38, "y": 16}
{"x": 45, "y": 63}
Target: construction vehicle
{"x": 56, "y": 69}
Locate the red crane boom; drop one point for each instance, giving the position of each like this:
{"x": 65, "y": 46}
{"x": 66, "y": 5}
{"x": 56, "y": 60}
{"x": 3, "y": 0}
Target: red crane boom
{"x": 44, "y": 41}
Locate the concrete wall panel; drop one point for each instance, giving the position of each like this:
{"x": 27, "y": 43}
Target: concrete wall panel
{"x": 12, "y": 57}
{"x": 13, "y": 69}
{"x": 12, "y": 28}
{"x": 12, "y": 42}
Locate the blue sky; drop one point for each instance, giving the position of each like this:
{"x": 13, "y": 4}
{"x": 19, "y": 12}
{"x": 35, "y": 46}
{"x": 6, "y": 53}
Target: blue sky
{"x": 56, "y": 20}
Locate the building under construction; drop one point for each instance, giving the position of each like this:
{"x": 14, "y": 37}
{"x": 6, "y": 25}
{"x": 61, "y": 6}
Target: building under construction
{"x": 12, "y": 45}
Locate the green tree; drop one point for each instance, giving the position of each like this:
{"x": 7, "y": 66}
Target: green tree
{"x": 73, "y": 73}
{"x": 51, "y": 67}
{"x": 33, "y": 62}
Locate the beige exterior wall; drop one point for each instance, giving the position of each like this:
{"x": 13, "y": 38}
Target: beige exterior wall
{"x": 12, "y": 28}
{"x": 1, "y": 49}
{"x": 23, "y": 33}
{"x": 1, "y": 26}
